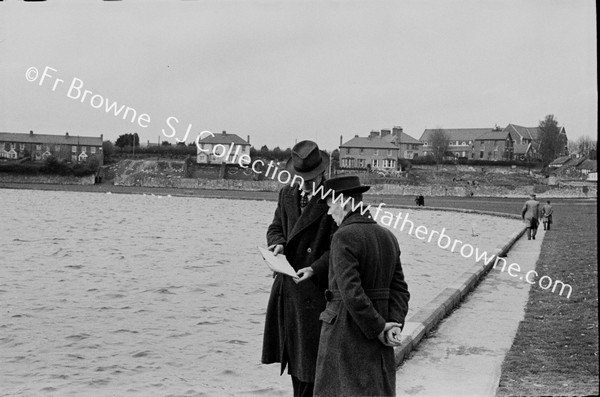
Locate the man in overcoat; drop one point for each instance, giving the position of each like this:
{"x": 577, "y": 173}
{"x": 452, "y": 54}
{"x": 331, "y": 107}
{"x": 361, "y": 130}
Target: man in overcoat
{"x": 531, "y": 215}
{"x": 301, "y": 230}
{"x": 547, "y": 212}
{"x": 367, "y": 301}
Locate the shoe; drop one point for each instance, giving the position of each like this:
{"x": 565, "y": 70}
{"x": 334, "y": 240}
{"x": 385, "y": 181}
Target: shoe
{"x": 533, "y": 238}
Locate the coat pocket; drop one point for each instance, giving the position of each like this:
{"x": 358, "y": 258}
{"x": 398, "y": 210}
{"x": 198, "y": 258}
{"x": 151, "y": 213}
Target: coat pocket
{"x": 328, "y": 316}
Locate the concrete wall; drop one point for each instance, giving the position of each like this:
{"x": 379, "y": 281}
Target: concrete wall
{"x": 47, "y": 179}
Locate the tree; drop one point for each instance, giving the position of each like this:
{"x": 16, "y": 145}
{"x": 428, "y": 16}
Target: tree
{"x": 551, "y": 142}
{"x": 583, "y": 146}
{"x": 128, "y": 140}
{"x": 439, "y": 142}
{"x": 107, "y": 149}
{"x": 165, "y": 143}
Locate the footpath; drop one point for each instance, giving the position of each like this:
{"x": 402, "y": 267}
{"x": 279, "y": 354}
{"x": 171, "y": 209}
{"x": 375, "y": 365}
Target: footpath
{"x": 463, "y": 356}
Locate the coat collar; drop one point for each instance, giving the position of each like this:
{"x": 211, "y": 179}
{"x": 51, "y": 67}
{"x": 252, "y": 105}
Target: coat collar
{"x": 302, "y": 219}
{"x": 357, "y": 217}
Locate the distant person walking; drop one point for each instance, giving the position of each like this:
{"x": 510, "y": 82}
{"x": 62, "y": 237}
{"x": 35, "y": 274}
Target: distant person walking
{"x": 547, "y": 215}
{"x": 531, "y": 214}
{"x": 420, "y": 201}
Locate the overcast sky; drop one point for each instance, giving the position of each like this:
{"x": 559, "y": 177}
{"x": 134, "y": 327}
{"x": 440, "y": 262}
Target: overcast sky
{"x": 284, "y": 71}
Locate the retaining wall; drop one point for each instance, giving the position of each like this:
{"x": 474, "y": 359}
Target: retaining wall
{"x": 47, "y": 179}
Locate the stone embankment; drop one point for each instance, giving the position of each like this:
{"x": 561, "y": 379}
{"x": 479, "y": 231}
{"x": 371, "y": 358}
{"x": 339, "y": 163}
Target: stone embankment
{"x": 47, "y": 179}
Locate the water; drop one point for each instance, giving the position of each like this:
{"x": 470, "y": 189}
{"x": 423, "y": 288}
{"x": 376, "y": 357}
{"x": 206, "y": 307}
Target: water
{"x": 109, "y": 294}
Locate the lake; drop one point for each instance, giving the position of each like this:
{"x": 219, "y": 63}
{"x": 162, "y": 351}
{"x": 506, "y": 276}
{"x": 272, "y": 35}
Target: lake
{"x": 114, "y": 294}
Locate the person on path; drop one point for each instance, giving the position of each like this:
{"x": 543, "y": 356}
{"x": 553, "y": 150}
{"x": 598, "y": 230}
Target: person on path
{"x": 531, "y": 214}
{"x": 301, "y": 230}
{"x": 367, "y": 300}
{"x": 547, "y": 215}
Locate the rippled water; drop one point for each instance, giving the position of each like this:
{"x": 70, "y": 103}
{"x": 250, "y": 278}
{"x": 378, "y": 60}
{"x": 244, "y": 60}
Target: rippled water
{"x": 107, "y": 294}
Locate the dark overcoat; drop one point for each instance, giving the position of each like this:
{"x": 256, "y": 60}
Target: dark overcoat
{"x": 367, "y": 289}
{"x": 292, "y": 323}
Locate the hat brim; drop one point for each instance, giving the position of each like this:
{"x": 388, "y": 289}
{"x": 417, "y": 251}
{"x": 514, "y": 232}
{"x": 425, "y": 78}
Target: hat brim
{"x": 346, "y": 192}
{"x": 325, "y": 160}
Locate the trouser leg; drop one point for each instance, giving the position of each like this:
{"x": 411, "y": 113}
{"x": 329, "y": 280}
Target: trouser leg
{"x": 528, "y": 233}
{"x": 302, "y": 389}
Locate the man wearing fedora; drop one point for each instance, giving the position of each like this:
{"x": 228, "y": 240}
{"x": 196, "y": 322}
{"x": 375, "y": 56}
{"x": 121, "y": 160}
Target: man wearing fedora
{"x": 367, "y": 301}
{"x": 301, "y": 230}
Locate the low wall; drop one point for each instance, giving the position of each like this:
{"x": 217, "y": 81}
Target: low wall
{"x": 197, "y": 183}
{"x": 542, "y": 191}
{"x": 491, "y": 169}
{"x": 47, "y": 179}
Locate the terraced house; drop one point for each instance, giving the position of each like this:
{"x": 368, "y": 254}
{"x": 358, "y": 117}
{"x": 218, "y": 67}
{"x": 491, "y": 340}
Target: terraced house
{"x": 380, "y": 150}
{"x": 38, "y": 147}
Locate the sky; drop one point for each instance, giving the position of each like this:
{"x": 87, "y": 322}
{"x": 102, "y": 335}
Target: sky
{"x": 284, "y": 71}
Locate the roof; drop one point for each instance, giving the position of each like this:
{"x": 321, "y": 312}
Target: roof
{"x": 224, "y": 138}
{"x": 404, "y": 138}
{"x": 532, "y": 133}
{"x": 591, "y": 165}
{"x": 560, "y": 161}
{"x": 369, "y": 143}
{"x": 50, "y": 139}
{"x": 457, "y": 134}
{"x": 493, "y": 135}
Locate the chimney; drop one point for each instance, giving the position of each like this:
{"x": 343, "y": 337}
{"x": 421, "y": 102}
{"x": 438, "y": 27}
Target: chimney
{"x": 356, "y": 136}
{"x": 30, "y": 132}
{"x": 67, "y": 134}
{"x": 340, "y": 140}
{"x": 385, "y": 133}
{"x": 224, "y": 132}
{"x": 373, "y": 134}
{"x": 248, "y": 140}
{"x": 397, "y": 131}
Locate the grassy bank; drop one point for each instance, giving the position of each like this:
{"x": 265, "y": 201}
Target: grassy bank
{"x": 555, "y": 351}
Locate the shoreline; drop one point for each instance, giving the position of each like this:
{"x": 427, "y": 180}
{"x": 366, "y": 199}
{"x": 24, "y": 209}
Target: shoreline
{"x": 505, "y": 205}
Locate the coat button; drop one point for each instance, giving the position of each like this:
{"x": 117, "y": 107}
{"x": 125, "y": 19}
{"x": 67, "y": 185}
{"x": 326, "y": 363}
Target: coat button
{"x": 309, "y": 250}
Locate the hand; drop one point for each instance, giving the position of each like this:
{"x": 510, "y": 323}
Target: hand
{"x": 390, "y": 336}
{"x": 305, "y": 273}
{"x": 276, "y": 248}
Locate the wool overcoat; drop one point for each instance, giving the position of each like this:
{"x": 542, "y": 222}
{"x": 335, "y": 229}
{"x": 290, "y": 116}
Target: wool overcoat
{"x": 367, "y": 289}
{"x": 531, "y": 213}
{"x": 292, "y": 323}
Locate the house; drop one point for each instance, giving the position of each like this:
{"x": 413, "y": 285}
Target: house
{"x": 409, "y": 146}
{"x": 372, "y": 152}
{"x": 38, "y": 147}
{"x": 527, "y": 141}
{"x": 513, "y": 142}
{"x": 210, "y": 148}
{"x": 462, "y": 141}
{"x": 589, "y": 167}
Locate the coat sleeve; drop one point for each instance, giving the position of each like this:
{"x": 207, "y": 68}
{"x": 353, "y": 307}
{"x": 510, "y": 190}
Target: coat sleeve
{"x": 345, "y": 262}
{"x": 399, "y": 295}
{"x": 275, "y": 231}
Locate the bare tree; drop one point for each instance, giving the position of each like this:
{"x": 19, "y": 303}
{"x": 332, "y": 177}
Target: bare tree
{"x": 439, "y": 141}
{"x": 583, "y": 146}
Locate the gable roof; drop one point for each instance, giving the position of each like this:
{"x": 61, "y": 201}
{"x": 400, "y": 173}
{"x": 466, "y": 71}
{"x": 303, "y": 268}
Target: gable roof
{"x": 375, "y": 142}
{"x": 224, "y": 138}
{"x": 403, "y": 138}
{"x": 456, "y": 134}
{"x": 494, "y": 135}
{"x": 587, "y": 164}
{"x": 48, "y": 139}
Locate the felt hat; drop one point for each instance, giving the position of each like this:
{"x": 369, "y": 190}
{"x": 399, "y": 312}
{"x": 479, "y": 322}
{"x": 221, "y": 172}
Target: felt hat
{"x": 307, "y": 160}
{"x": 346, "y": 184}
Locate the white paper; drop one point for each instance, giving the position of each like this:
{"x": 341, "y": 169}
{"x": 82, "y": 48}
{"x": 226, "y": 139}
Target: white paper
{"x": 277, "y": 263}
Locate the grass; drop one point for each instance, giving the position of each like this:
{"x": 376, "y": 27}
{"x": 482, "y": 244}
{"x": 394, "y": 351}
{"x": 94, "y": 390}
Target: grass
{"x": 555, "y": 351}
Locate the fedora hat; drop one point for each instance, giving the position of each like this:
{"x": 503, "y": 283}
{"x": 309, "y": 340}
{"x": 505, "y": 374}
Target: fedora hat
{"x": 346, "y": 184}
{"x": 307, "y": 160}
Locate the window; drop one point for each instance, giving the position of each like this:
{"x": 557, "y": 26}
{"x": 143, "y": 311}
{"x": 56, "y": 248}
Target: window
{"x": 389, "y": 152}
{"x": 348, "y": 151}
{"x": 481, "y": 154}
{"x": 361, "y": 150}
{"x": 74, "y": 150}
{"x": 361, "y": 163}
{"x": 84, "y": 149}
{"x": 425, "y": 144}
{"x": 463, "y": 143}
{"x": 38, "y": 147}
{"x": 376, "y": 152}
{"x": 93, "y": 149}
{"x": 22, "y": 146}
{"x": 375, "y": 163}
